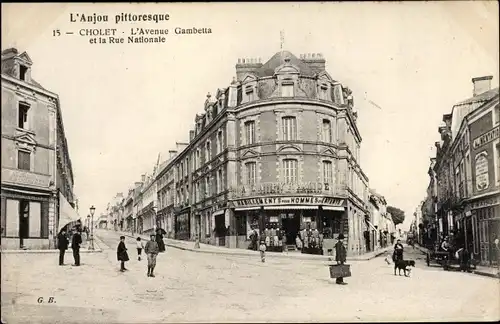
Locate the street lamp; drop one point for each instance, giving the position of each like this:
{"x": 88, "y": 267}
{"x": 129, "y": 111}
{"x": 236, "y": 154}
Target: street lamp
{"x": 92, "y": 211}
{"x": 88, "y": 226}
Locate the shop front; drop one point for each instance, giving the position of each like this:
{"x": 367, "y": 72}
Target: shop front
{"x": 25, "y": 219}
{"x": 183, "y": 224}
{"x": 485, "y": 221}
{"x": 302, "y": 223}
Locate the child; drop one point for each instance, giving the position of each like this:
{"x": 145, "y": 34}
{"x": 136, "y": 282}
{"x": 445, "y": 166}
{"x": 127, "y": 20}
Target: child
{"x": 262, "y": 249}
{"x": 140, "y": 246}
{"x": 121, "y": 253}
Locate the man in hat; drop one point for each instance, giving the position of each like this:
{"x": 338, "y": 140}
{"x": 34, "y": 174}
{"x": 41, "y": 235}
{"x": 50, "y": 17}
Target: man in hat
{"x": 62, "y": 245}
{"x": 75, "y": 245}
{"x": 340, "y": 256}
{"x": 151, "y": 251}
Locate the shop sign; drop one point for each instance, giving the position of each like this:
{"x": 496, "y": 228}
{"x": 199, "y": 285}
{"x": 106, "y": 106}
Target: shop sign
{"x": 486, "y": 138}
{"x": 482, "y": 175}
{"x": 279, "y": 188}
{"x": 304, "y": 200}
{"x": 25, "y": 177}
{"x": 485, "y": 203}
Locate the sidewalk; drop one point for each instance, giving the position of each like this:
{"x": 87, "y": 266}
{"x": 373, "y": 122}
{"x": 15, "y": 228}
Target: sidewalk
{"x": 84, "y": 248}
{"x": 480, "y": 270}
{"x": 211, "y": 249}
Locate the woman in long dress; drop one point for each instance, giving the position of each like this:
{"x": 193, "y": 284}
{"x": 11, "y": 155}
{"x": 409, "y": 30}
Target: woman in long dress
{"x": 159, "y": 241}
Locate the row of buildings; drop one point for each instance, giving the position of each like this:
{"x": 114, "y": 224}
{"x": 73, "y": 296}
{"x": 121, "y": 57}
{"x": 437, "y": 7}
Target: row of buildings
{"x": 277, "y": 148}
{"x": 37, "y": 181}
{"x": 463, "y": 195}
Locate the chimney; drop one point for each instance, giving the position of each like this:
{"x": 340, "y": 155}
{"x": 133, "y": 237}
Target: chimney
{"x": 171, "y": 154}
{"x": 10, "y": 52}
{"x": 315, "y": 61}
{"x": 191, "y": 135}
{"x": 233, "y": 94}
{"x": 481, "y": 84}
{"x": 447, "y": 120}
{"x": 247, "y": 65}
{"x": 143, "y": 178}
{"x": 137, "y": 184}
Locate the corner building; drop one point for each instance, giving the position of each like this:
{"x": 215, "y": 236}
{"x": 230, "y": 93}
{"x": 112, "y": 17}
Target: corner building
{"x": 279, "y": 151}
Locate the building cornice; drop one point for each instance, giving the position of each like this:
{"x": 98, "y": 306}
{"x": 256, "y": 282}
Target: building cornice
{"x": 17, "y": 82}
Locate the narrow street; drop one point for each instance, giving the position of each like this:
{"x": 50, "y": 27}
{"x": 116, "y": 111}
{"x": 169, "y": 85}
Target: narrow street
{"x": 203, "y": 287}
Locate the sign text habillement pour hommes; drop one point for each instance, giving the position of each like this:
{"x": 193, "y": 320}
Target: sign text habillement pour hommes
{"x": 119, "y": 18}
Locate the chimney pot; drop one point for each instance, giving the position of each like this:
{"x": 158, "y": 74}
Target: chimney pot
{"x": 143, "y": 177}
{"x": 481, "y": 85}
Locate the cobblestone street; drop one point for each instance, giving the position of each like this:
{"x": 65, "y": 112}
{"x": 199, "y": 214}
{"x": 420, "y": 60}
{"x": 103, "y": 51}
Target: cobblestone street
{"x": 202, "y": 287}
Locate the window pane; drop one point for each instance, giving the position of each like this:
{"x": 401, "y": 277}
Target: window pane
{"x": 23, "y": 160}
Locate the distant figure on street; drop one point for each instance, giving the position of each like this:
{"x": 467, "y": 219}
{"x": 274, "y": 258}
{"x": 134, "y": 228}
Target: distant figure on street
{"x": 445, "y": 246}
{"x": 397, "y": 255}
{"x": 159, "y": 240}
{"x": 262, "y": 249}
{"x": 151, "y": 251}
{"x": 62, "y": 245}
{"x": 121, "y": 253}
{"x": 75, "y": 246}
{"x": 140, "y": 246}
{"x": 340, "y": 256}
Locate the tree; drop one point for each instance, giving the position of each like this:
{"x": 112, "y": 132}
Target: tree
{"x": 398, "y": 216}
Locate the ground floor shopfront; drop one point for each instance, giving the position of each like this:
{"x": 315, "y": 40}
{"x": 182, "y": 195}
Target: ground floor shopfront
{"x": 28, "y": 218}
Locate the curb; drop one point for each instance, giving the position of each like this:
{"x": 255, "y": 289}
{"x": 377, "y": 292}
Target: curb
{"x": 96, "y": 250}
{"x": 476, "y": 272}
{"x": 268, "y": 255}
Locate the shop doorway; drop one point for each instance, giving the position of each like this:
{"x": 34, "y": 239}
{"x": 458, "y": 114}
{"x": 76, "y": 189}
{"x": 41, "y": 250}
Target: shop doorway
{"x": 291, "y": 226}
{"x": 24, "y": 213}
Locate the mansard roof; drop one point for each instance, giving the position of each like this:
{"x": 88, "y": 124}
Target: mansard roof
{"x": 277, "y": 60}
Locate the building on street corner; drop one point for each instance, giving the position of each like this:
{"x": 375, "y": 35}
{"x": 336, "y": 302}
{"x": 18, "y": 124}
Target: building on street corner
{"x": 278, "y": 150}
{"x": 465, "y": 173}
{"x": 37, "y": 176}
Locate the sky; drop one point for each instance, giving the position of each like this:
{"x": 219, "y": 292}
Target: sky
{"x": 123, "y": 104}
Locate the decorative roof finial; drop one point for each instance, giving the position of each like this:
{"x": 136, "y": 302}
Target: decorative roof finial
{"x": 208, "y": 95}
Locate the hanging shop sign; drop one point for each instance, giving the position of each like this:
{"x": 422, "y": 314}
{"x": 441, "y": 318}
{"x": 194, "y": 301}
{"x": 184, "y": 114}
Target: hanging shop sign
{"x": 301, "y": 200}
{"x": 486, "y": 138}
{"x": 482, "y": 174}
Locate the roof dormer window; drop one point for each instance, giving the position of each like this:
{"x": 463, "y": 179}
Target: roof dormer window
{"x": 287, "y": 89}
{"x": 23, "y": 72}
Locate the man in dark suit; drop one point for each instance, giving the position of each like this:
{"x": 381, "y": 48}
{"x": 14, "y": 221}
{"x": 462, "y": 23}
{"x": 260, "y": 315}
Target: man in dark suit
{"x": 75, "y": 245}
{"x": 340, "y": 256}
{"x": 62, "y": 245}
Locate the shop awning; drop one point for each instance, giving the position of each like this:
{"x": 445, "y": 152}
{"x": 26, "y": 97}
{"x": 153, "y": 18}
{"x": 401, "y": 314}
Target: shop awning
{"x": 219, "y": 212}
{"x": 290, "y": 207}
{"x": 67, "y": 214}
{"x": 338, "y": 208}
{"x": 27, "y": 192}
{"x": 371, "y": 225}
{"x": 246, "y": 208}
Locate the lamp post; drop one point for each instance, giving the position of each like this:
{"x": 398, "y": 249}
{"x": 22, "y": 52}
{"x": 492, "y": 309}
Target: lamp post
{"x": 92, "y": 211}
{"x": 88, "y": 226}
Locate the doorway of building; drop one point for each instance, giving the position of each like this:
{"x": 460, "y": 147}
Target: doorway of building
{"x": 24, "y": 226}
{"x": 291, "y": 226}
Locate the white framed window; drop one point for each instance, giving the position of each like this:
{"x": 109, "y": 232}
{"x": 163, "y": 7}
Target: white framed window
{"x": 251, "y": 172}
{"x": 289, "y": 125}
{"x": 327, "y": 131}
{"x": 219, "y": 142}
{"x": 290, "y": 167}
{"x": 220, "y": 188}
{"x": 198, "y": 158}
{"x": 328, "y": 172}
{"x": 22, "y": 114}
{"x": 207, "y": 186}
{"x": 209, "y": 155}
{"x": 287, "y": 90}
{"x": 250, "y": 132}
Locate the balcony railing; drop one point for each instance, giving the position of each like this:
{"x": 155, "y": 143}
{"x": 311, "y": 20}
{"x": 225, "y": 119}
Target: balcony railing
{"x": 277, "y": 188}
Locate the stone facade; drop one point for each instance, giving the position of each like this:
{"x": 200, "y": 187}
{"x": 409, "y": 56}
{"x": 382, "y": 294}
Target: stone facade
{"x": 35, "y": 161}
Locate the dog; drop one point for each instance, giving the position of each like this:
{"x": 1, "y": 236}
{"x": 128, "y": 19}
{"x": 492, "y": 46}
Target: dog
{"x": 403, "y": 265}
